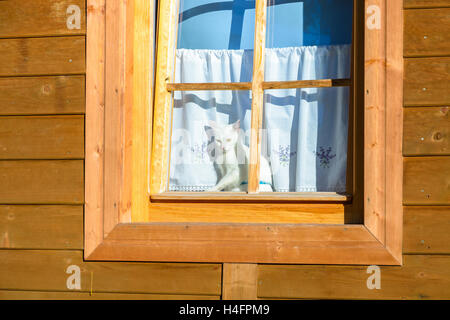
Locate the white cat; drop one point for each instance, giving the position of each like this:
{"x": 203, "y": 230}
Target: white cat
{"x": 232, "y": 158}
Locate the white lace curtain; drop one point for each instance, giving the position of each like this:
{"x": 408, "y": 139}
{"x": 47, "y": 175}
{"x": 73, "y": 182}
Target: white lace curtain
{"x": 305, "y": 130}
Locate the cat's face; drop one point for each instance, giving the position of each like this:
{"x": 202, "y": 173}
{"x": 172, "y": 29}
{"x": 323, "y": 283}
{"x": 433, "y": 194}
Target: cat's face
{"x": 226, "y": 136}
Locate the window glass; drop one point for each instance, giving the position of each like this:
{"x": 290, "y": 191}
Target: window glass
{"x": 210, "y": 141}
{"x": 304, "y": 140}
{"x": 215, "y": 37}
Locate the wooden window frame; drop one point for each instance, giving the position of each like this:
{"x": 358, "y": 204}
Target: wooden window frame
{"x": 119, "y": 82}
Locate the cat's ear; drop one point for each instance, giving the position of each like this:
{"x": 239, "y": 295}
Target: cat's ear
{"x": 212, "y": 124}
{"x": 237, "y": 125}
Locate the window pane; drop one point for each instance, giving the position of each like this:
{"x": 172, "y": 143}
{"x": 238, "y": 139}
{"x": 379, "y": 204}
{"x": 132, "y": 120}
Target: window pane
{"x": 305, "y": 139}
{"x": 308, "y": 39}
{"x": 210, "y": 138}
{"x": 215, "y": 41}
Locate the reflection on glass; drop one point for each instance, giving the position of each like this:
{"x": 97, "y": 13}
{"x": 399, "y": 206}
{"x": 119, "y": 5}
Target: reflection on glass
{"x": 305, "y": 138}
{"x": 210, "y": 139}
{"x": 308, "y": 39}
{"x": 215, "y": 41}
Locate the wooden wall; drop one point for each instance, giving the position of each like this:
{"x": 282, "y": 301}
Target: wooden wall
{"x": 42, "y": 103}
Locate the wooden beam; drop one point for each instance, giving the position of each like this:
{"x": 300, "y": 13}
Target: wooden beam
{"x": 42, "y": 137}
{"x": 95, "y": 126}
{"x": 426, "y": 82}
{"x": 39, "y": 18}
{"x": 209, "y": 86}
{"x": 41, "y": 182}
{"x": 322, "y": 83}
{"x": 144, "y": 45}
{"x": 426, "y": 181}
{"x": 375, "y": 125}
{"x": 423, "y": 38}
{"x": 162, "y": 111}
{"x": 426, "y": 230}
{"x": 41, "y": 227}
{"x": 46, "y": 270}
{"x": 239, "y": 281}
{"x": 421, "y": 277}
{"x": 432, "y": 136}
{"x": 42, "y": 56}
{"x": 261, "y": 196}
{"x": 42, "y": 95}
{"x": 259, "y": 54}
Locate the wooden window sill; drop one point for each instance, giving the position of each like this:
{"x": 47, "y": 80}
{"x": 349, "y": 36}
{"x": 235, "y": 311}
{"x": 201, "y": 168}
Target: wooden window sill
{"x": 249, "y": 197}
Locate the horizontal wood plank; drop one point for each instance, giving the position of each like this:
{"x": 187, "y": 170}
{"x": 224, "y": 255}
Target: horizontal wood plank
{"x": 426, "y": 131}
{"x": 42, "y": 56}
{"x": 427, "y": 32}
{"x": 293, "y": 243}
{"x": 41, "y": 227}
{"x": 421, "y": 277}
{"x": 261, "y": 196}
{"x": 42, "y": 95}
{"x": 321, "y": 83}
{"x": 427, "y": 81}
{"x": 41, "y": 182}
{"x": 426, "y": 181}
{"x": 42, "y": 137}
{"x": 209, "y": 86}
{"x": 46, "y": 271}
{"x": 249, "y": 212}
{"x": 425, "y": 3}
{"x": 54, "y": 295}
{"x": 25, "y": 18}
{"x": 426, "y": 230}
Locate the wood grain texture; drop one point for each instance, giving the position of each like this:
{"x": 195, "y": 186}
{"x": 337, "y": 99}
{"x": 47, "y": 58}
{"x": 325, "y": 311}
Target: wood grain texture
{"x": 426, "y": 230}
{"x": 41, "y": 182}
{"x": 237, "y": 243}
{"x": 46, "y": 270}
{"x": 425, "y": 3}
{"x": 257, "y": 109}
{"x": 222, "y": 212}
{"x": 55, "y": 295}
{"x": 37, "y": 137}
{"x": 41, "y": 227}
{"x": 239, "y": 281}
{"x": 95, "y": 123}
{"x": 426, "y": 181}
{"x": 375, "y": 55}
{"x": 261, "y": 196}
{"x": 394, "y": 129}
{"x": 427, "y": 81}
{"x": 427, "y": 32}
{"x": 426, "y": 131}
{"x": 322, "y": 83}
{"x": 115, "y": 115}
{"x": 143, "y": 93}
{"x": 42, "y": 95}
{"x": 26, "y": 18}
{"x": 162, "y": 111}
{"x": 421, "y": 277}
{"x": 42, "y": 56}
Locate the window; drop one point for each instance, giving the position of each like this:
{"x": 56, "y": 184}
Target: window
{"x": 321, "y": 185}
{"x": 282, "y": 109}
